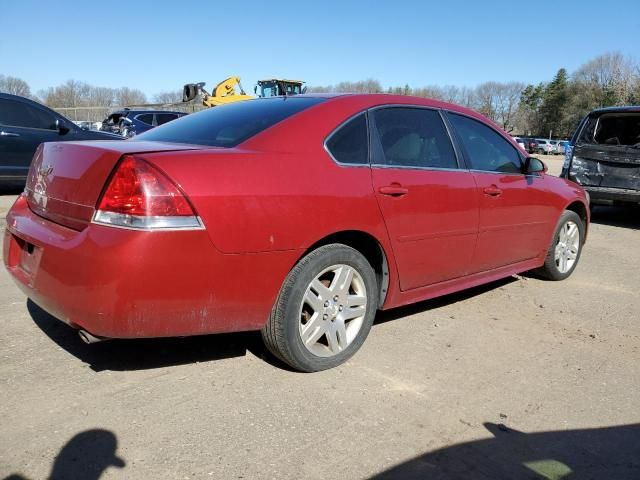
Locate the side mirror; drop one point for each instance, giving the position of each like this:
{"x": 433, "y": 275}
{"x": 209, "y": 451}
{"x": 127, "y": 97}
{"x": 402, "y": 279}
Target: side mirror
{"x": 304, "y": 90}
{"x": 255, "y": 90}
{"x": 61, "y": 127}
{"x": 534, "y": 165}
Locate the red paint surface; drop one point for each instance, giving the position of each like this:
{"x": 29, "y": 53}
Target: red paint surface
{"x": 263, "y": 205}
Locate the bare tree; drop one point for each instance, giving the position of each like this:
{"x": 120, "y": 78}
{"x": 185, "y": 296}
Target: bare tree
{"x": 15, "y": 86}
{"x": 130, "y": 96}
{"x": 168, "y": 97}
{"x": 608, "y": 79}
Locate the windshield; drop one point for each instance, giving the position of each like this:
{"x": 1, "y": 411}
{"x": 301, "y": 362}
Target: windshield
{"x": 229, "y": 125}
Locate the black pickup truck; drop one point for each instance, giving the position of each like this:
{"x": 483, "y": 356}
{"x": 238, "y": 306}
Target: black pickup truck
{"x": 604, "y": 155}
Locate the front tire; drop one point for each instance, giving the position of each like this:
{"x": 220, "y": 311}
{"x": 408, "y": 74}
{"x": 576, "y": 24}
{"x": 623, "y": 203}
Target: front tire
{"x": 324, "y": 311}
{"x": 564, "y": 253}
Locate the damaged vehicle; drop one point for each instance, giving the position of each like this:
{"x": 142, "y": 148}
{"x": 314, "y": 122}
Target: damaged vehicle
{"x": 604, "y": 156}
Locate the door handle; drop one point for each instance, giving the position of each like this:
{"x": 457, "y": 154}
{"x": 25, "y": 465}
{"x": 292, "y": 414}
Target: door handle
{"x": 394, "y": 190}
{"x": 493, "y": 191}
{"x": 9, "y": 134}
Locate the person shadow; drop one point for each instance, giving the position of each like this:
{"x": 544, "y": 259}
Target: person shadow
{"x": 86, "y": 456}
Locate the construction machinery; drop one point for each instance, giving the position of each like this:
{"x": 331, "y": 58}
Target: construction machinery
{"x": 230, "y": 90}
{"x": 276, "y": 87}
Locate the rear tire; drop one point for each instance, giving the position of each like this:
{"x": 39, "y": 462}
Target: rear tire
{"x": 324, "y": 310}
{"x": 566, "y": 247}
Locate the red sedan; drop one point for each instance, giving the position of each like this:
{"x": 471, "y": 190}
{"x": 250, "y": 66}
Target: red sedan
{"x": 298, "y": 216}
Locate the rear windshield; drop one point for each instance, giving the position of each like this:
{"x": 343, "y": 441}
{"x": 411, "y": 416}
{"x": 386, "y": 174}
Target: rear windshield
{"x": 613, "y": 129}
{"x": 229, "y": 125}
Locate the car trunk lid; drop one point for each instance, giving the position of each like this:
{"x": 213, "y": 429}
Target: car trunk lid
{"x": 66, "y": 178}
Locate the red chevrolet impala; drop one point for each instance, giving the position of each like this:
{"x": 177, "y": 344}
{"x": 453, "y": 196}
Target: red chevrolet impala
{"x": 298, "y": 216}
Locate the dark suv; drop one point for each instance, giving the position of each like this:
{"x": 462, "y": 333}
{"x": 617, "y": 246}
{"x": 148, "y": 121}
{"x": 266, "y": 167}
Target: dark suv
{"x": 604, "y": 155}
{"x": 25, "y": 124}
{"x": 129, "y": 122}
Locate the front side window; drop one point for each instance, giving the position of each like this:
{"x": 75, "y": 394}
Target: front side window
{"x": 413, "y": 137}
{"x": 349, "y": 144}
{"x": 487, "y": 149}
{"x": 19, "y": 114}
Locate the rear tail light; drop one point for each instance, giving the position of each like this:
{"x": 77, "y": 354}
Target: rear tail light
{"x": 139, "y": 195}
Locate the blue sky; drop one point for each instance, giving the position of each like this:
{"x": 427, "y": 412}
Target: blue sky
{"x": 160, "y": 45}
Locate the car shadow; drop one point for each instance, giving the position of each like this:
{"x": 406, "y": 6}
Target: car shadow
{"x": 425, "y": 306}
{"x": 594, "y": 453}
{"x": 144, "y": 354}
{"x": 616, "y": 216}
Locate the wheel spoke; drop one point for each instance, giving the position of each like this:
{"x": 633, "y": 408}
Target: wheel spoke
{"x": 332, "y": 340}
{"x": 313, "y": 330}
{"x": 342, "y": 280}
{"x": 341, "y": 332}
{"x": 354, "y": 312}
{"x": 563, "y": 263}
{"x": 323, "y": 292}
{"x": 356, "y": 300}
{"x": 313, "y": 301}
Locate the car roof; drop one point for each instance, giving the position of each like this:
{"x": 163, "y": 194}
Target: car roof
{"x": 381, "y": 99}
{"x": 628, "y": 108}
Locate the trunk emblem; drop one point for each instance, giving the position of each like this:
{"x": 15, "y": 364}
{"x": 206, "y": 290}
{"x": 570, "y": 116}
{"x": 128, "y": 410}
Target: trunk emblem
{"x": 41, "y": 186}
{"x": 45, "y": 170}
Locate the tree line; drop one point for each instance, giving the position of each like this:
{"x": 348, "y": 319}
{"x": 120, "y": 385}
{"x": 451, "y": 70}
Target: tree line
{"x": 73, "y": 93}
{"x": 550, "y": 108}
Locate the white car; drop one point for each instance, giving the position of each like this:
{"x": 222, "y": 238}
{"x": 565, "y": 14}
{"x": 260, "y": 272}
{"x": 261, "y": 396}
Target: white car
{"x": 545, "y": 146}
{"x": 520, "y": 142}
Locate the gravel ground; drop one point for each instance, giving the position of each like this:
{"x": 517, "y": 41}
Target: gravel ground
{"x": 521, "y": 378}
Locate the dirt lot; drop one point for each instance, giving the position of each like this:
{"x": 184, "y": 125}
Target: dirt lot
{"x": 522, "y": 378}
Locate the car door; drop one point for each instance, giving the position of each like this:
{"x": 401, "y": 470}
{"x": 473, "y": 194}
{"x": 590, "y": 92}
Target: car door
{"x": 515, "y": 209}
{"x": 22, "y": 128}
{"x": 429, "y": 203}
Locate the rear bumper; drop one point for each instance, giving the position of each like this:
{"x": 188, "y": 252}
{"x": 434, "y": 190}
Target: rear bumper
{"x": 120, "y": 283}
{"x": 607, "y": 195}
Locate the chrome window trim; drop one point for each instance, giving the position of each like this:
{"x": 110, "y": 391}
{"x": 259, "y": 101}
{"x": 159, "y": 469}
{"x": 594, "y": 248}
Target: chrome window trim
{"x": 404, "y": 167}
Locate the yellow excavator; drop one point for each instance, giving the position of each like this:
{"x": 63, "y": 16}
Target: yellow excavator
{"x": 230, "y": 90}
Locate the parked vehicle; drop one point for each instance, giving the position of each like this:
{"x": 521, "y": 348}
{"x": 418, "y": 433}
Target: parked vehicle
{"x": 561, "y": 147}
{"x": 128, "y": 123}
{"x": 604, "y": 155}
{"x": 521, "y": 143}
{"x": 545, "y": 146}
{"x": 25, "y": 124}
{"x": 530, "y": 144}
{"x": 258, "y": 215}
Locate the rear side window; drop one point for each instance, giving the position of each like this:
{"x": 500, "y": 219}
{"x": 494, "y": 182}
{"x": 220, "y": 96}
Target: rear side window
{"x": 229, "y": 125}
{"x": 413, "y": 137}
{"x": 349, "y": 144}
{"x": 487, "y": 149}
{"x": 145, "y": 118}
{"x": 162, "y": 118}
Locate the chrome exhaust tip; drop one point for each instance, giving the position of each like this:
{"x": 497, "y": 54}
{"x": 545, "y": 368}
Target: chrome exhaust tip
{"x": 88, "y": 338}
